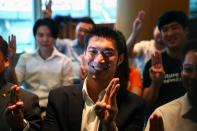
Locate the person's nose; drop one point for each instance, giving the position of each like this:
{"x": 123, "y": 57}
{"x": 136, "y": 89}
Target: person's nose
{"x": 99, "y": 58}
{"x": 169, "y": 32}
{"x": 45, "y": 38}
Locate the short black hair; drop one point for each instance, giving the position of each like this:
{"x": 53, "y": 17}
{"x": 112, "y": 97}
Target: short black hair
{"x": 50, "y": 23}
{"x": 107, "y": 32}
{"x": 3, "y": 47}
{"x": 173, "y": 16}
{"x": 87, "y": 20}
{"x": 190, "y": 45}
{"x": 120, "y": 42}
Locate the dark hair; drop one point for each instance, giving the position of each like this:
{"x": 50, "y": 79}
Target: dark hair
{"x": 173, "y": 16}
{"x": 190, "y": 45}
{"x": 87, "y": 20}
{"x": 118, "y": 38}
{"x": 51, "y": 24}
{"x": 3, "y": 47}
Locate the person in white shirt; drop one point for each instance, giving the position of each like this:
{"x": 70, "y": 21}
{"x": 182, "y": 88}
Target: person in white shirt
{"x": 141, "y": 51}
{"x": 47, "y": 68}
{"x": 73, "y": 49}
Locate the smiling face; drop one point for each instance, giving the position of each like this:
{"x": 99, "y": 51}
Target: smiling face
{"x": 44, "y": 39}
{"x": 174, "y": 35}
{"x": 189, "y": 73}
{"x": 102, "y": 58}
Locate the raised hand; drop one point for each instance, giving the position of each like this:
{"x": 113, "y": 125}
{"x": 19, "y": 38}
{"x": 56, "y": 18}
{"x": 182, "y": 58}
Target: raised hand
{"x": 157, "y": 71}
{"x": 14, "y": 112}
{"x": 156, "y": 123}
{"x": 138, "y": 22}
{"x": 12, "y": 46}
{"x": 136, "y": 29}
{"x": 107, "y": 108}
{"x": 83, "y": 68}
{"x": 48, "y": 12}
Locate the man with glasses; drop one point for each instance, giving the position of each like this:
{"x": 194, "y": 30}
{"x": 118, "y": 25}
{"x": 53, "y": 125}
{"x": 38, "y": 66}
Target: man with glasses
{"x": 180, "y": 114}
{"x": 102, "y": 103}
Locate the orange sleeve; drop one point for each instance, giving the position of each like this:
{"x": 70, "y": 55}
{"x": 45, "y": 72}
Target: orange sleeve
{"x": 135, "y": 79}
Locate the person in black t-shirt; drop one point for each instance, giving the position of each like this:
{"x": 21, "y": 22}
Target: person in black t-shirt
{"x": 162, "y": 80}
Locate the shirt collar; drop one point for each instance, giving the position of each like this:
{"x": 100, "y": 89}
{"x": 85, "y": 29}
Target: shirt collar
{"x": 75, "y": 43}
{"x": 185, "y": 104}
{"x": 86, "y": 97}
{"x": 188, "y": 111}
{"x": 54, "y": 54}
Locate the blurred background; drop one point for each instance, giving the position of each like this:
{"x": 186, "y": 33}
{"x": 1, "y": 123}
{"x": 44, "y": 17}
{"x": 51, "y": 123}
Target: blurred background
{"x": 18, "y": 16}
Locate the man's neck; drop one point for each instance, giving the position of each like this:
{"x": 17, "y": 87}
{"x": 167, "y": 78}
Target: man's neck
{"x": 159, "y": 46}
{"x": 174, "y": 53}
{"x": 45, "y": 54}
{"x": 94, "y": 87}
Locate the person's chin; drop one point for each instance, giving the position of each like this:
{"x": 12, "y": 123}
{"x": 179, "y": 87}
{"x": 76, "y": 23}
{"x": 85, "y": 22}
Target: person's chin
{"x": 173, "y": 45}
{"x": 99, "y": 74}
{"x": 46, "y": 47}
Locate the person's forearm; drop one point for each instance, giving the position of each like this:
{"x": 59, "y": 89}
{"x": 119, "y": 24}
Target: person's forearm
{"x": 151, "y": 93}
{"x": 110, "y": 127}
{"x": 131, "y": 42}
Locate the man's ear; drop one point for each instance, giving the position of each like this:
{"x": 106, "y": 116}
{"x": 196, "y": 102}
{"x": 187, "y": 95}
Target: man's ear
{"x": 7, "y": 62}
{"x": 121, "y": 59}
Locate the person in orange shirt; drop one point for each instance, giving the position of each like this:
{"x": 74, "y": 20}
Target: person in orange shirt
{"x": 135, "y": 81}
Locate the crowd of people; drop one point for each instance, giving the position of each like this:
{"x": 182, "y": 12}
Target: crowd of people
{"x": 88, "y": 84}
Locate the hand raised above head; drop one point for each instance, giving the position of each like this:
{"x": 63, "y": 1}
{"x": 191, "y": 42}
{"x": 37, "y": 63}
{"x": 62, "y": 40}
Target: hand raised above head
{"x": 138, "y": 22}
{"x": 47, "y": 13}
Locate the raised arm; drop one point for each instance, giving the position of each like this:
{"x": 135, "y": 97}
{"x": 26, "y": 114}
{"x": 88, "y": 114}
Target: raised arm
{"x": 10, "y": 71}
{"x": 47, "y": 13}
{"x": 156, "y": 73}
{"x": 136, "y": 29}
{"x": 12, "y": 49}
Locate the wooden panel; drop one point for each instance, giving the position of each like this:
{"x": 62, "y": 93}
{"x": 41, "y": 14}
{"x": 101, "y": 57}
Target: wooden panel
{"x": 128, "y": 9}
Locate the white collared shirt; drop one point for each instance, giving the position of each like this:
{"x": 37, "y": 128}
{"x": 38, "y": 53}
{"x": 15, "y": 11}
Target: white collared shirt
{"x": 90, "y": 121}
{"x": 173, "y": 113}
{"x": 41, "y": 75}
